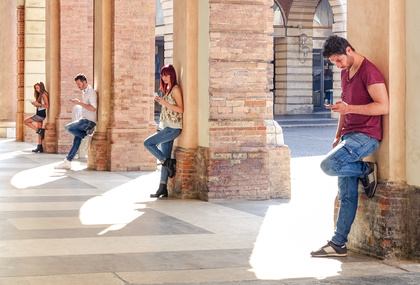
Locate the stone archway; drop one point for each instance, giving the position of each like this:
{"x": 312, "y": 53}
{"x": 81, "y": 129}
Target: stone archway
{"x": 293, "y": 86}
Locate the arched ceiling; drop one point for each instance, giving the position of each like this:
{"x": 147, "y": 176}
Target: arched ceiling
{"x": 287, "y": 4}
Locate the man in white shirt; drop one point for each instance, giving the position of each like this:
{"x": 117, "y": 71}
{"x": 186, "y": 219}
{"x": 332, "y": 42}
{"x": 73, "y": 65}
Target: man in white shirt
{"x": 80, "y": 128}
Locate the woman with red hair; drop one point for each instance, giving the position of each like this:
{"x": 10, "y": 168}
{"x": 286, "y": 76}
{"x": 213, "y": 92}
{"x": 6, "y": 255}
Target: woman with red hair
{"x": 170, "y": 123}
{"x": 41, "y": 103}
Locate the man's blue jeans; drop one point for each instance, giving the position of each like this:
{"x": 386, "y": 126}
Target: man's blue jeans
{"x": 345, "y": 161}
{"x": 79, "y": 130}
{"x": 166, "y": 139}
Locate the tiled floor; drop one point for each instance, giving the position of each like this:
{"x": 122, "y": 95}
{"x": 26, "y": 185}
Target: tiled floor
{"x": 89, "y": 227}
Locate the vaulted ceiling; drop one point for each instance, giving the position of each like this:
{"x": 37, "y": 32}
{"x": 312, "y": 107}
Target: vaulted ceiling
{"x": 287, "y": 4}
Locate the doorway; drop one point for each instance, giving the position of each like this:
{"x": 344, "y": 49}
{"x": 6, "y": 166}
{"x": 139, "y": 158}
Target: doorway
{"x": 322, "y": 81}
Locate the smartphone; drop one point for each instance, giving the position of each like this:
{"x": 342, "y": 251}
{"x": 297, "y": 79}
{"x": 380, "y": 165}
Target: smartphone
{"x": 70, "y": 99}
{"x": 155, "y": 94}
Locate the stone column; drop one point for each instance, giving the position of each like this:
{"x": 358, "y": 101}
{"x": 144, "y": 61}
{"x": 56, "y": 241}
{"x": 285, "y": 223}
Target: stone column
{"x": 186, "y": 66}
{"x": 52, "y": 72}
{"x": 8, "y": 49}
{"x": 98, "y": 152}
{"x": 20, "y": 71}
{"x": 413, "y": 100}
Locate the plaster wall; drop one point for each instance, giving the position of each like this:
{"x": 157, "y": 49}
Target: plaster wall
{"x": 370, "y": 37}
{"x": 186, "y": 67}
{"x": 8, "y": 49}
{"x": 413, "y": 87}
{"x": 386, "y": 225}
{"x": 203, "y": 73}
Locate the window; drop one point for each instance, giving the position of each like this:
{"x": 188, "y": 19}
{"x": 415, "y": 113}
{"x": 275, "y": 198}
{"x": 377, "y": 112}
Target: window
{"x": 159, "y": 18}
{"x": 278, "y": 17}
{"x": 323, "y": 15}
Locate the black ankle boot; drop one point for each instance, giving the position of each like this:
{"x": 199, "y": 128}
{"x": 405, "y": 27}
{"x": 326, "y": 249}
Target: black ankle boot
{"x": 41, "y": 133}
{"x": 162, "y": 191}
{"x": 38, "y": 149}
{"x": 170, "y": 165}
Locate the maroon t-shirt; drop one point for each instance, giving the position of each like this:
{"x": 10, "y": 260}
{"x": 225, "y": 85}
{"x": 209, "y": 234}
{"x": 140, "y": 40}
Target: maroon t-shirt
{"x": 355, "y": 93}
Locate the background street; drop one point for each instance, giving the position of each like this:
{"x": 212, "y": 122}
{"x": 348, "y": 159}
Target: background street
{"x": 309, "y": 141}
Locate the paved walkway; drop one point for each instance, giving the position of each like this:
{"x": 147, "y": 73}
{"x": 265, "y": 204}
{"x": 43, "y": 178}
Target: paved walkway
{"x": 88, "y": 227}
{"x": 316, "y": 119}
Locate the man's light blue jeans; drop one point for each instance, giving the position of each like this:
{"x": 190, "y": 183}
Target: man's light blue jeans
{"x": 345, "y": 161}
{"x": 166, "y": 139}
{"x": 79, "y": 130}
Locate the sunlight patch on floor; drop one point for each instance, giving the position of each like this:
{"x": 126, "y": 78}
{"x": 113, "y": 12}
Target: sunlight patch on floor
{"x": 36, "y": 176}
{"x": 291, "y": 231}
{"x": 119, "y": 206}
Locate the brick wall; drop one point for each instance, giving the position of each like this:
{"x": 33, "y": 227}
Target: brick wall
{"x": 76, "y": 56}
{"x": 386, "y": 226}
{"x": 191, "y": 179}
{"x": 132, "y": 107}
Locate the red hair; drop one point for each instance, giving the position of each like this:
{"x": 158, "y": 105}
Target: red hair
{"x": 167, "y": 70}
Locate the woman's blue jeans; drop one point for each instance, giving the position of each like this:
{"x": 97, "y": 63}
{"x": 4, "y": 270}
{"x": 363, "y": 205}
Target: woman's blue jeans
{"x": 345, "y": 161}
{"x": 166, "y": 139}
{"x": 79, "y": 130}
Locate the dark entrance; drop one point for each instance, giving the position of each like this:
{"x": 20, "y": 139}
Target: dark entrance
{"x": 322, "y": 81}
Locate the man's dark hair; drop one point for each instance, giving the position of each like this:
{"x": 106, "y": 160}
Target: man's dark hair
{"x": 80, "y": 77}
{"x": 335, "y": 45}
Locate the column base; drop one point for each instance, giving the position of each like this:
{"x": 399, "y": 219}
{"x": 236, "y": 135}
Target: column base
{"x": 64, "y": 140}
{"x": 49, "y": 143}
{"x": 97, "y": 155}
{"x": 227, "y": 170}
{"x": 125, "y": 150}
{"x": 386, "y": 226}
{"x": 190, "y": 181}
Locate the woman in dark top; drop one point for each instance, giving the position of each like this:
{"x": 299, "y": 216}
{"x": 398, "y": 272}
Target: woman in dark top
{"x": 41, "y": 103}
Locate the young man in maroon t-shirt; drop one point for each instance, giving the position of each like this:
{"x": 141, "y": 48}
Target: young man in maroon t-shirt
{"x": 364, "y": 100}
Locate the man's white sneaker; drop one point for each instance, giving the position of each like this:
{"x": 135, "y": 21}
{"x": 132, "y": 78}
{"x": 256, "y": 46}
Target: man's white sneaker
{"x": 64, "y": 165}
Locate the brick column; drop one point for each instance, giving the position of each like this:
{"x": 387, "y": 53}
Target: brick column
{"x": 76, "y": 56}
{"x": 131, "y": 118}
{"x": 243, "y": 138}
